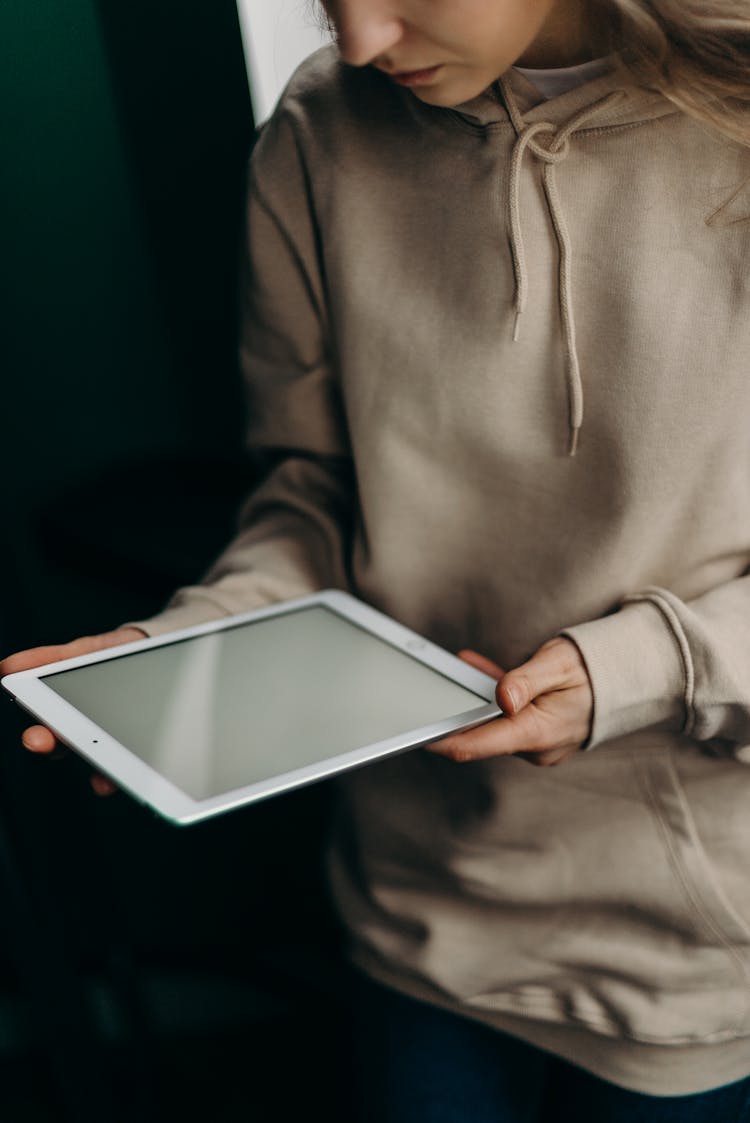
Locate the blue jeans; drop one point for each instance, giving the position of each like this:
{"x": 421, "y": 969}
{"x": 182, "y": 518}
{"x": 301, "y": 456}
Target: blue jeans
{"x": 415, "y": 1063}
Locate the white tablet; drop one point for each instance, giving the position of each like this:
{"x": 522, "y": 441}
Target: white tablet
{"x": 199, "y": 721}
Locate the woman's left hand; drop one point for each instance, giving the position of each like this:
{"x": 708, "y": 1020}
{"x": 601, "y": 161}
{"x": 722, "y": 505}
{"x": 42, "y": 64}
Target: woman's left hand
{"x": 547, "y": 704}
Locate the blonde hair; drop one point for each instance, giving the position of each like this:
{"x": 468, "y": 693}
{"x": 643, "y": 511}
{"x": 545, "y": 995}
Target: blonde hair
{"x": 696, "y": 53}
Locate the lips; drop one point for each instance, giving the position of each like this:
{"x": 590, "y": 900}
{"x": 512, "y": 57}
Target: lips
{"x": 414, "y": 77}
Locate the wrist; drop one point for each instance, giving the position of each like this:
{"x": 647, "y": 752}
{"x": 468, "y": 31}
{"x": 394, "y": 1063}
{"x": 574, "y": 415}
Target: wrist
{"x": 635, "y": 669}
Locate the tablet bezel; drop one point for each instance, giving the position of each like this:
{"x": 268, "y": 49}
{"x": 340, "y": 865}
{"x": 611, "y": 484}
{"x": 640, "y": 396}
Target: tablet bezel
{"x": 149, "y": 787}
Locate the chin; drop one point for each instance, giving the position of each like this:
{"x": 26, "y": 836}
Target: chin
{"x": 434, "y": 95}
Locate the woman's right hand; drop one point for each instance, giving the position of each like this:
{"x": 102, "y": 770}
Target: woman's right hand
{"x": 37, "y": 738}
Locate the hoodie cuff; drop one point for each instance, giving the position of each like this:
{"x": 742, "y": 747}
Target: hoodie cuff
{"x": 184, "y": 613}
{"x": 636, "y": 671}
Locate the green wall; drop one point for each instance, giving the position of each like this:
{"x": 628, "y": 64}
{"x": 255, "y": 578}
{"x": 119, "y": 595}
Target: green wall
{"x": 124, "y": 132}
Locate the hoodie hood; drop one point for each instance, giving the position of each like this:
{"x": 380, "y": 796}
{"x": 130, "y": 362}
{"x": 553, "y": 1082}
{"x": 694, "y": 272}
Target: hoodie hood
{"x": 543, "y": 128}
{"x": 489, "y": 107}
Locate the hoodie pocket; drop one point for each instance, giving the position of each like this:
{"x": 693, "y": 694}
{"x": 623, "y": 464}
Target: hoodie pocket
{"x": 581, "y": 895}
{"x": 681, "y": 975}
{"x": 713, "y": 914}
{"x": 641, "y": 940}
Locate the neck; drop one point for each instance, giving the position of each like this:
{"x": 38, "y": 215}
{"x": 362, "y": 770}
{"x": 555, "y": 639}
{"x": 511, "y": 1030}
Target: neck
{"x": 575, "y": 31}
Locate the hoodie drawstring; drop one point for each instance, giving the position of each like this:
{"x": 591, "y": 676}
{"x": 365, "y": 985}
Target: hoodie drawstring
{"x": 554, "y": 153}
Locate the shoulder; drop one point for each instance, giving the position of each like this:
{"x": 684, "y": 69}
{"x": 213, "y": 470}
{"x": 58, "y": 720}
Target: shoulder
{"x": 326, "y": 103}
{"x": 318, "y": 77}
{"x": 322, "y": 82}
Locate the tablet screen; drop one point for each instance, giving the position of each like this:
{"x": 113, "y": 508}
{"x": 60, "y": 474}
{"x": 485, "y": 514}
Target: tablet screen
{"x": 219, "y": 711}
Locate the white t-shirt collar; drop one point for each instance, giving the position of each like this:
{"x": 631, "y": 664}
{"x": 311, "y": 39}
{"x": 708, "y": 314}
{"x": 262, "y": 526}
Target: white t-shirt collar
{"x": 558, "y": 80}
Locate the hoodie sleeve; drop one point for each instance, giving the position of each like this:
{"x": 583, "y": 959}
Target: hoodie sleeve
{"x": 292, "y": 531}
{"x": 679, "y": 665}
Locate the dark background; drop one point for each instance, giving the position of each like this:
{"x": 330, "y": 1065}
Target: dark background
{"x": 146, "y": 971}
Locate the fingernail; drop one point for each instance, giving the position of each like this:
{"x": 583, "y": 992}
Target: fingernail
{"x": 515, "y": 698}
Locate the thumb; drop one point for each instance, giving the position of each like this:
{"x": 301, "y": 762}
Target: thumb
{"x": 548, "y": 669}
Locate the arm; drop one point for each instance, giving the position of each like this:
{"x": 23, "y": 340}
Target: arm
{"x": 293, "y": 530}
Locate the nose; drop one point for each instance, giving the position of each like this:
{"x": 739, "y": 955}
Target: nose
{"x": 365, "y": 29}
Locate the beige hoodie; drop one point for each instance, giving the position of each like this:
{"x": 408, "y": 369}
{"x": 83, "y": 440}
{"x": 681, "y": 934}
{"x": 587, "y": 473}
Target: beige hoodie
{"x": 500, "y": 355}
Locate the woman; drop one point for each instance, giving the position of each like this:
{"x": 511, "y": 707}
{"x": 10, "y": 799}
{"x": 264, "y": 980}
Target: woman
{"x": 496, "y": 341}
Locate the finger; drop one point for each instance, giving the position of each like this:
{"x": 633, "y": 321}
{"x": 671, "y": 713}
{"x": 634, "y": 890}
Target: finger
{"x": 38, "y": 739}
{"x": 482, "y": 663}
{"x": 547, "y": 758}
{"x": 39, "y": 656}
{"x": 557, "y": 665}
{"x": 52, "y": 653}
{"x": 525, "y": 731}
{"x": 23, "y": 660}
{"x": 102, "y": 785}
